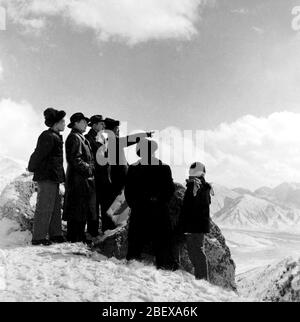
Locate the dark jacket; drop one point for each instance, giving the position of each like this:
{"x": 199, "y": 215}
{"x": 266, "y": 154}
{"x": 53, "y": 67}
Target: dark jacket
{"x": 80, "y": 197}
{"x": 195, "y": 214}
{"x": 149, "y": 183}
{"x": 101, "y": 171}
{"x": 91, "y": 137}
{"x": 118, "y": 164}
{"x": 46, "y": 162}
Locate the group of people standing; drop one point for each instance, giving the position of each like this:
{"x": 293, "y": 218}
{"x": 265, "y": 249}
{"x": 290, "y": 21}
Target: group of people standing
{"x": 97, "y": 173}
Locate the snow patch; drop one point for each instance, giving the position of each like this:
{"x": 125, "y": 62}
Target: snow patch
{"x": 70, "y": 272}
{"x": 33, "y": 200}
{"x": 11, "y": 234}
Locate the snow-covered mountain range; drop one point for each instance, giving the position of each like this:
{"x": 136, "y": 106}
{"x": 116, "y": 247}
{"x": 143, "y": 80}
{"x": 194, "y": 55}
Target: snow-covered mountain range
{"x": 276, "y": 209}
{"x": 286, "y": 193}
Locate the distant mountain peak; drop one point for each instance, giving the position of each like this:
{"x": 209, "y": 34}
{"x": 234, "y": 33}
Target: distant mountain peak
{"x": 288, "y": 185}
{"x": 265, "y": 209}
{"x": 243, "y": 191}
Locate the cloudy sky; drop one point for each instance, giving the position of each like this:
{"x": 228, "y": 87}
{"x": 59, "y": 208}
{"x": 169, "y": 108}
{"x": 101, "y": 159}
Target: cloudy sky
{"x": 228, "y": 68}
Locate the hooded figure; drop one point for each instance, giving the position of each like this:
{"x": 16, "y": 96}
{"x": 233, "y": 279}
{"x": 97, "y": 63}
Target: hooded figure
{"x": 80, "y": 196}
{"x": 195, "y": 217}
{"x": 46, "y": 163}
{"x": 148, "y": 190}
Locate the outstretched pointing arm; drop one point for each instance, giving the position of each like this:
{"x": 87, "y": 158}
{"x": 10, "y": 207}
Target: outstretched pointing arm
{"x": 135, "y": 138}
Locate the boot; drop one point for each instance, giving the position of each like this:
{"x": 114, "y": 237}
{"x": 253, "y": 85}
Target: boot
{"x": 44, "y": 242}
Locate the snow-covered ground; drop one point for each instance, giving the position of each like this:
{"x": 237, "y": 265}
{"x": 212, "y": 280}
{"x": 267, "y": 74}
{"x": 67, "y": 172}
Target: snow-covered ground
{"x": 11, "y": 236}
{"x": 70, "y": 272}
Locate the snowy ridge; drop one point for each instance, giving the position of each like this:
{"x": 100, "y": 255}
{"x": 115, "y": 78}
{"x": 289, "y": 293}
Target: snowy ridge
{"x": 263, "y": 191}
{"x": 222, "y": 196}
{"x": 274, "y": 283}
{"x": 253, "y": 213}
{"x": 286, "y": 194}
{"x": 70, "y": 272}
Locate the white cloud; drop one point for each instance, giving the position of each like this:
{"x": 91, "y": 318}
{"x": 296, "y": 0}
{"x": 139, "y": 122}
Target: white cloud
{"x": 250, "y": 152}
{"x": 132, "y": 21}
{"x": 19, "y": 129}
{"x": 254, "y": 151}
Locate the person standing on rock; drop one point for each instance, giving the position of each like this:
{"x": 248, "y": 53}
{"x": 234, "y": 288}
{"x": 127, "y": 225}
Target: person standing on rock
{"x": 148, "y": 190}
{"x": 101, "y": 172}
{"x": 80, "y": 195}
{"x": 47, "y": 165}
{"x": 195, "y": 217}
{"x": 117, "y": 166}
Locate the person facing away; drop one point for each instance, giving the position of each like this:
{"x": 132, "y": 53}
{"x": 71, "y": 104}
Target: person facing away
{"x": 117, "y": 166}
{"x": 101, "y": 171}
{"x": 148, "y": 190}
{"x": 195, "y": 217}
{"x": 46, "y": 163}
{"x": 80, "y": 195}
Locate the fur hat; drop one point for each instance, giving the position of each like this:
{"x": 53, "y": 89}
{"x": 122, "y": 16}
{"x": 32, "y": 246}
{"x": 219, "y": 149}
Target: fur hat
{"x": 53, "y": 116}
{"x": 197, "y": 169}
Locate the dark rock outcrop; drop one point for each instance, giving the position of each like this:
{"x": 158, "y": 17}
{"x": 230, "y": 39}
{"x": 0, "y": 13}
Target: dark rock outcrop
{"x": 221, "y": 265}
{"x": 16, "y": 201}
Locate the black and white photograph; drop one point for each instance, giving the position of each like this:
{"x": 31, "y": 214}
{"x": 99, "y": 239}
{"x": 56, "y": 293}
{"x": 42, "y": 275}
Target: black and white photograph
{"x": 150, "y": 153}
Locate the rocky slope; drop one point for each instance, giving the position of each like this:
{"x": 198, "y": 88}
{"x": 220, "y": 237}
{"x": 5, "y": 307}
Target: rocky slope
{"x": 16, "y": 201}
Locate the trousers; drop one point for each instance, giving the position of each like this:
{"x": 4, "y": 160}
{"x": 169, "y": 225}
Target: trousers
{"x": 47, "y": 217}
{"x": 195, "y": 247}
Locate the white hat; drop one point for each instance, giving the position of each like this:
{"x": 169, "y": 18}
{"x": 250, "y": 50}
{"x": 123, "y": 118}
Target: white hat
{"x": 197, "y": 169}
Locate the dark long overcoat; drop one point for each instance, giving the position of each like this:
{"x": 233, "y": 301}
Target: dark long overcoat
{"x": 80, "y": 195}
{"x": 148, "y": 182}
{"x": 148, "y": 191}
